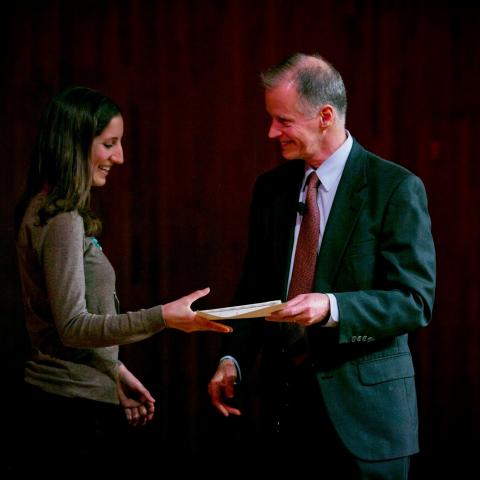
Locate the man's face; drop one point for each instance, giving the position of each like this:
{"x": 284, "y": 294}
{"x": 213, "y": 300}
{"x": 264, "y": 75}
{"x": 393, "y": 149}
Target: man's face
{"x": 298, "y": 133}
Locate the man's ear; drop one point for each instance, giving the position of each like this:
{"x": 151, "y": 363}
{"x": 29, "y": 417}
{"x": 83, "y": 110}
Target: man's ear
{"x": 326, "y": 116}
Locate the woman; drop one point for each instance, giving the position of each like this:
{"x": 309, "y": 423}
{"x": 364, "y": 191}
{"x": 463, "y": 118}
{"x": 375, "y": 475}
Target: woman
{"x": 74, "y": 379}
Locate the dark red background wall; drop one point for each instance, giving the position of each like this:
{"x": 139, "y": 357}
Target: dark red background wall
{"x": 186, "y": 75}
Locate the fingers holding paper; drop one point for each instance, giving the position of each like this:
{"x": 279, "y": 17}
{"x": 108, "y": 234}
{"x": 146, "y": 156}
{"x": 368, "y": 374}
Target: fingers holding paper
{"x": 305, "y": 309}
{"x": 178, "y": 314}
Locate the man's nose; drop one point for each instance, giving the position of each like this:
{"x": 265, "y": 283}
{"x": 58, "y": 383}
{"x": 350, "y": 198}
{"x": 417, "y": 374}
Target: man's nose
{"x": 274, "y": 131}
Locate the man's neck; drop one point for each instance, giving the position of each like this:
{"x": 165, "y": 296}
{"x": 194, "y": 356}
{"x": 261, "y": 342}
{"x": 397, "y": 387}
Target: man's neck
{"x": 332, "y": 141}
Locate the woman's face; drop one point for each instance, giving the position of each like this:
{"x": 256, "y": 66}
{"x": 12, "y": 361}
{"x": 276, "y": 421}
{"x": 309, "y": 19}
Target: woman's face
{"x": 107, "y": 151}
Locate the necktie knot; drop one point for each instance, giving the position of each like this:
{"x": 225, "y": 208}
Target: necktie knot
{"x": 313, "y": 182}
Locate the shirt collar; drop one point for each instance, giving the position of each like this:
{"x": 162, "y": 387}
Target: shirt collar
{"x": 331, "y": 169}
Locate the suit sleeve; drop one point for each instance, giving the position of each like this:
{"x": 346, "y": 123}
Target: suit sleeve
{"x": 244, "y": 342}
{"x": 396, "y": 279}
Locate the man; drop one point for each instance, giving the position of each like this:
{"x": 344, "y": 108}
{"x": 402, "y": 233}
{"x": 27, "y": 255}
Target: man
{"x": 338, "y": 378}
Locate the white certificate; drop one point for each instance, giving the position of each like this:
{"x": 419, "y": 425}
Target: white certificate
{"x": 242, "y": 311}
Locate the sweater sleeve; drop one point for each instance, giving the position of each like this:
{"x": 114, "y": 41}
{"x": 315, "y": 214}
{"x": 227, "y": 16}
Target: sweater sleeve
{"x": 61, "y": 255}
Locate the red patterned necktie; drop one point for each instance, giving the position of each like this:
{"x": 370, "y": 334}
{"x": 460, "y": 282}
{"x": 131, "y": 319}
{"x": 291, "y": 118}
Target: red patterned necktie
{"x": 307, "y": 244}
{"x": 303, "y": 272}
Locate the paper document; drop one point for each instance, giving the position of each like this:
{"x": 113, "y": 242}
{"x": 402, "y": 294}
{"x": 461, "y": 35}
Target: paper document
{"x": 242, "y": 311}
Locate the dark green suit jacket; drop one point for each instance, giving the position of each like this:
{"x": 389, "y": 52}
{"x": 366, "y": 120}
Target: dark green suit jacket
{"x": 377, "y": 257}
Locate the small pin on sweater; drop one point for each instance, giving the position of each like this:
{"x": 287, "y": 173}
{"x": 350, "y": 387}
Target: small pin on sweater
{"x": 96, "y": 243}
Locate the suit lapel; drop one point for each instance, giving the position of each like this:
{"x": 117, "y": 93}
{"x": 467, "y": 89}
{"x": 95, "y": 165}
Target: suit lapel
{"x": 348, "y": 202}
{"x": 285, "y": 209}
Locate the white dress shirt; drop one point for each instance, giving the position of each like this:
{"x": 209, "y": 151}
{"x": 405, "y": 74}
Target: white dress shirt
{"x": 329, "y": 174}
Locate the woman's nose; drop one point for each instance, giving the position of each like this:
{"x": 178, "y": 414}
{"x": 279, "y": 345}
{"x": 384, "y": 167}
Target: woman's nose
{"x": 117, "y": 156}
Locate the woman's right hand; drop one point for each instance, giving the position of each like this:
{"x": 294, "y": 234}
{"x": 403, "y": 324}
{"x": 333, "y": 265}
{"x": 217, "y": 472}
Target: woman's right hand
{"x": 179, "y": 315}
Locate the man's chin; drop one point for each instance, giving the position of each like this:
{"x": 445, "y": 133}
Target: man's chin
{"x": 288, "y": 155}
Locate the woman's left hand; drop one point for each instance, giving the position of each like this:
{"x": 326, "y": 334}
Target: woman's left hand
{"x": 136, "y": 401}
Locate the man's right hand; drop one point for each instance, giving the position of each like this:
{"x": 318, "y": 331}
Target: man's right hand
{"x": 221, "y": 388}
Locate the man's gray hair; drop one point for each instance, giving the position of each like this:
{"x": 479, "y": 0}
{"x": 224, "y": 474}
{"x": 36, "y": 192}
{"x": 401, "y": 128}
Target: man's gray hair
{"x": 316, "y": 80}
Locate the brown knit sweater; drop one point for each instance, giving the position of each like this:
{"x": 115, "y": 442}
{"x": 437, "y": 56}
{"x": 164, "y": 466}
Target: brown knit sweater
{"x": 71, "y": 309}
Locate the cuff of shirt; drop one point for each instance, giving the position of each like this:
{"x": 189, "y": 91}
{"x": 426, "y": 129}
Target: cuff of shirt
{"x": 333, "y": 320}
{"x": 237, "y": 366}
